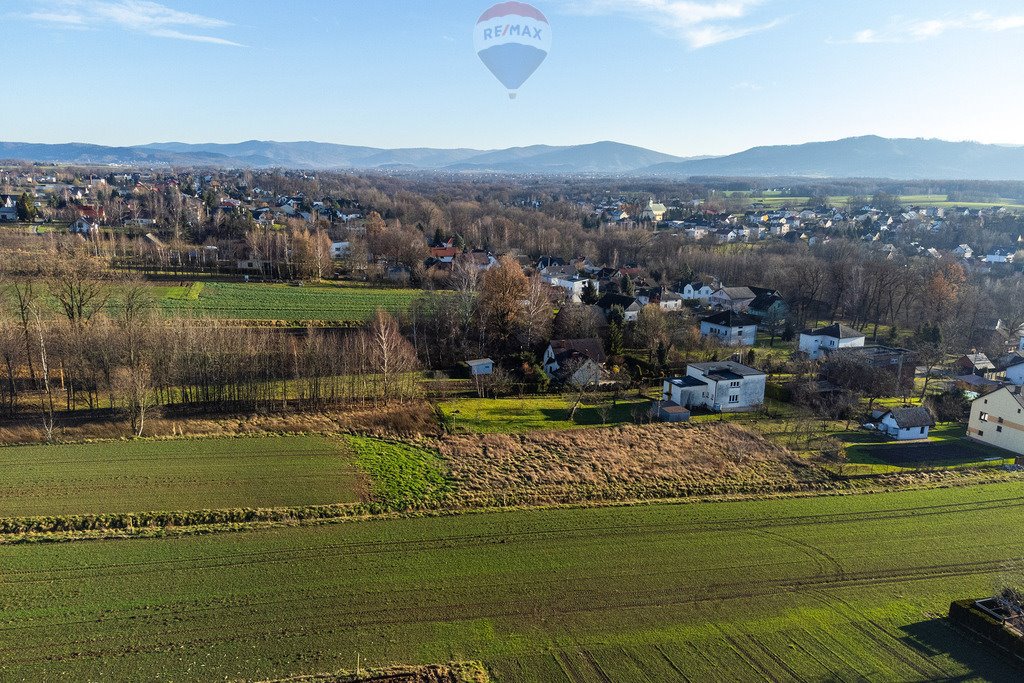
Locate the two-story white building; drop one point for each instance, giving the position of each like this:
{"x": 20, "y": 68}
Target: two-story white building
{"x": 724, "y": 386}
{"x": 730, "y": 329}
{"x": 816, "y": 343}
{"x": 697, "y": 291}
{"x": 998, "y": 419}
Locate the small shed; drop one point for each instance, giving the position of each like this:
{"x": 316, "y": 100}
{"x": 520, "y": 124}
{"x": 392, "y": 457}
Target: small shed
{"x": 670, "y": 411}
{"x": 480, "y": 366}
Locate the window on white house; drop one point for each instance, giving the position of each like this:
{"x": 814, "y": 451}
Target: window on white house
{"x": 922, "y": 430}
{"x": 1000, "y": 420}
{"x": 981, "y": 433}
{"x": 983, "y": 417}
{"x": 999, "y": 429}
{"x": 734, "y": 398}
{"x": 734, "y": 385}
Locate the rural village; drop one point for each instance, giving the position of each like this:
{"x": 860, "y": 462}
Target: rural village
{"x": 484, "y": 345}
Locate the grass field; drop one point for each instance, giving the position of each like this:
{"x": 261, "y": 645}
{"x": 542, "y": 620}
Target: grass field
{"x": 402, "y": 475}
{"x": 144, "y": 476}
{"x": 265, "y": 301}
{"x": 819, "y": 589}
{"x": 514, "y": 415}
{"x": 946, "y": 447}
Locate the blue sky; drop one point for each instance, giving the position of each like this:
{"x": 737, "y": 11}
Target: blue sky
{"x": 681, "y": 76}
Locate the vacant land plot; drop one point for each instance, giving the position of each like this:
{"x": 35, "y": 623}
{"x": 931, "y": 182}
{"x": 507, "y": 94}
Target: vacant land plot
{"x": 263, "y": 301}
{"x": 144, "y": 476}
{"x": 621, "y": 463}
{"x": 513, "y": 415}
{"x": 822, "y": 589}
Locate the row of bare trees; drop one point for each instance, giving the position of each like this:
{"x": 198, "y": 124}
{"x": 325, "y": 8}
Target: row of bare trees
{"x": 74, "y": 342}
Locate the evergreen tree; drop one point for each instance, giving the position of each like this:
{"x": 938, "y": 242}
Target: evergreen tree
{"x": 25, "y": 207}
{"x": 626, "y": 286}
{"x": 662, "y": 353}
{"x": 589, "y": 295}
{"x": 616, "y": 346}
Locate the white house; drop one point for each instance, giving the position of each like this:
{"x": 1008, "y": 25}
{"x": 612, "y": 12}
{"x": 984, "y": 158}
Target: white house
{"x": 816, "y": 343}
{"x": 339, "y": 249}
{"x": 9, "y": 209}
{"x": 998, "y": 419}
{"x": 480, "y": 366}
{"x": 1000, "y": 255}
{"x": 733, "y": 298}
{"x": 724, "y": 386}
{"x": 697, "y": 291}
{"x": 630, "y": 305}
{"x": 84, "y": 227}
{"x": 964, "y": 251}
{"x": 907, "y": 423}
{"x": 1015, "y": 371}
{"x": 662, "y": 297}
{"x": 573, "y": 285}
{"x": 578, "y": 361}
{"x": 730, "y": 329}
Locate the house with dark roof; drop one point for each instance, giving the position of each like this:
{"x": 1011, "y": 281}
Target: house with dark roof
{"x": 829, "y": 339}
{"x": 697, "y": 291}
{"x": 662, "y": 297}
{"x": 907, "y": 423}
{"x": 630, "y": 305}
{"x": 729, "y": 328}
{"x": 724, "y": 386}
{"x": 767, "y": 302}
{"x": 975, "y": 363}
{"x": 576, "y": 361}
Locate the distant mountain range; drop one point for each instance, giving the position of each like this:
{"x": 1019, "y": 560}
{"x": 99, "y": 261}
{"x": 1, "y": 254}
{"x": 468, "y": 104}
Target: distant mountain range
{"x": 860, "y": 157}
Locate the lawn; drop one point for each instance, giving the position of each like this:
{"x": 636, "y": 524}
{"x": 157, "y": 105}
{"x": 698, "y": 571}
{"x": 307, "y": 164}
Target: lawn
{"x": 513, "y": 415}
{"x": 265, "y": 301}
{"x": 823, "y": 589}
{"x": 145, "y": 476}
{"x": 946, "y": 447}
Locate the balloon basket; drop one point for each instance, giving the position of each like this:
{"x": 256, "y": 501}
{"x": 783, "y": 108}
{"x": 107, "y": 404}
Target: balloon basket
{"x": 512, "y": 95}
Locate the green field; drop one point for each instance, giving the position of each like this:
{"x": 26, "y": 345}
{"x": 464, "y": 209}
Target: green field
{"x": 819, "y": 589}
{"x": 145, "y": 476}
{"x": 514, "y": 415}
{"x": 265, "y": 301}
{"x": 401, "y": 475}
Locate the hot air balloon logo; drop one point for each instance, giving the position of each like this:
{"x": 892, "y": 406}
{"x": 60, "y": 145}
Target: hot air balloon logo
{"x": 512, "y": 39}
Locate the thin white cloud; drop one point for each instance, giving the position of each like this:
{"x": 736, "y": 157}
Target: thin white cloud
{"x": 138, "y": 16}
{"x": 926, "y": 29}
{"x": 699, "y": 24}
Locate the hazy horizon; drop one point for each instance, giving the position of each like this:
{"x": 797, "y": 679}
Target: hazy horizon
{"x": 688, "y": 78}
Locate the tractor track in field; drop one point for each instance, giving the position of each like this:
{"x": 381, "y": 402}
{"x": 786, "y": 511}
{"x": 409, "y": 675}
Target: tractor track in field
{"x": 373, "y": 616}
{"x": 359, "y": 548}
{"x": 857, "y": 619}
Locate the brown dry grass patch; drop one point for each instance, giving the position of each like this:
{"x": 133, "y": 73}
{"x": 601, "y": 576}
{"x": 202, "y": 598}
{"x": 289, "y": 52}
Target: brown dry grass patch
{"x": 623, "y": 463}
{"x": 395, "y": 420}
